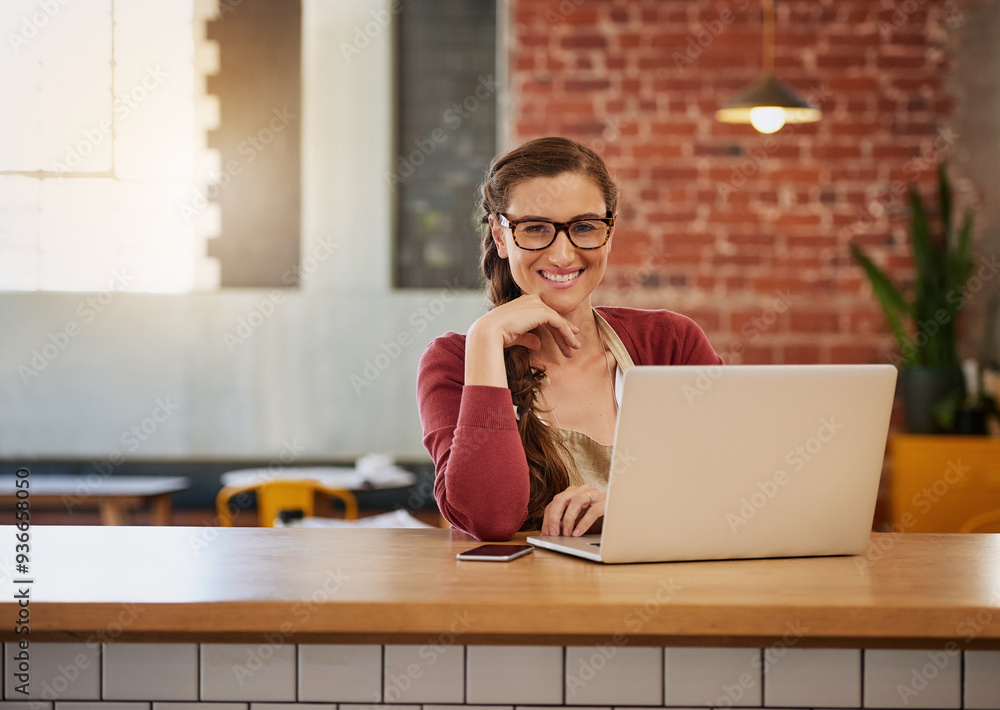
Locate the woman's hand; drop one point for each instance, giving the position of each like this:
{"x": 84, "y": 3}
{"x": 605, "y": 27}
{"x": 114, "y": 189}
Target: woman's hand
{"x": 512, "y": 324}
{"x": 574, "y": 511}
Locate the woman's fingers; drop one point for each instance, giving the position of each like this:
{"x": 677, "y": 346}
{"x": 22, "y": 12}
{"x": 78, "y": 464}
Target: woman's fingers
{"x": 573, "y": 511}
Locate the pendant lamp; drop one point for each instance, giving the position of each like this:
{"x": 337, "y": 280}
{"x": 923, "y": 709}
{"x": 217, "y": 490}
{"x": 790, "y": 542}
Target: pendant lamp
{"x": 768, "y": 105}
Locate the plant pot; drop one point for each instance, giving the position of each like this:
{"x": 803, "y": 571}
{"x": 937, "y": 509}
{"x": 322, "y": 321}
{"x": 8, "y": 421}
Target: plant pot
{"x": 925, "y": 390}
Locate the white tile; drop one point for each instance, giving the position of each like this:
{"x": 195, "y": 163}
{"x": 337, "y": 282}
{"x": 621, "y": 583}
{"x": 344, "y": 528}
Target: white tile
{"x": 514, "y": 674}
{"x": 60, "y": 671}
{"x": 982, "y": 680}
{"x": 608, "y": 674}
{"x": 720, "y": 677}
{"x": 127, "y": 671}
{"x": 380, "y": 707}
{"x": 247, "y": 671}
{"x": 340, "y": 673}
{"x": 431, "y": 673}
{"x": 807, "y": 677}
{"x": 199, "y": 706}
{"x": 293, "y": 706}
{"x": 100, "y": 706}
{"x": 13, "y": 705}
{"x": 469, "y": 707}
{"x": 913, "y": 679}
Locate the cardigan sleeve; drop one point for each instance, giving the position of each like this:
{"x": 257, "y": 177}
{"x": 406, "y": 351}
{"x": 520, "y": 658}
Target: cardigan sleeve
{"x": 481, "y": 479}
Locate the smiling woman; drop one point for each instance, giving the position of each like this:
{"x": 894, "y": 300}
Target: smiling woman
{"x": 519, "y": 413}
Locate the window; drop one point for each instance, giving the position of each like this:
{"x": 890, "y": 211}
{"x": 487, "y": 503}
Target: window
{"x": 447, "y": 96}
{"x": 120, "y": 174}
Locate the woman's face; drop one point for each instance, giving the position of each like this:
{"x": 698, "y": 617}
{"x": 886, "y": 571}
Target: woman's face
{"x": 561, "y": 274}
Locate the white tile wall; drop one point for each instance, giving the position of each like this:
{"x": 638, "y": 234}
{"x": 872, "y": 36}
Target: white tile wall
{"x": 126, "y": 671}
{"x": 721, "y": 677}
{"x": 605, "y": 674}
{"x": 340, "y": 673}
{"x": 60, "y": 671}
{"x": 982, "y": 680}
{"x": 913, "y": 679}
{"x": 247, "y": 671}
{"x": 514, "y": 674}
{"x": 431, "y": 673}
{"x": 436, "y": 677}
{"x": 820, "y": 677}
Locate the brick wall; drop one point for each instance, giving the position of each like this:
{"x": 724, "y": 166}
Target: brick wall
{"x": 748, "y": 233}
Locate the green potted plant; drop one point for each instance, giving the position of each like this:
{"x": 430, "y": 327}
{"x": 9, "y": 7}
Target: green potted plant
{"x": 925, "y": 326}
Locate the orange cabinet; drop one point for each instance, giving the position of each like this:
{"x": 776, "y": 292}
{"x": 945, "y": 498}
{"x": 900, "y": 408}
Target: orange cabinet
{"x": 940, "y": 483}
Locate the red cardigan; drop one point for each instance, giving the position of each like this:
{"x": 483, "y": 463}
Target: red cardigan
{"x": 481, "y": 473}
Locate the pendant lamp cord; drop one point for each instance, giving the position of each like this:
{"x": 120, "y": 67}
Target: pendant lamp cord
{"x": 768, "y": 6}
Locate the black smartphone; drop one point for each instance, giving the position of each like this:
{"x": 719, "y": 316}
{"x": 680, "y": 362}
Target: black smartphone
{"x": 496, "y": 553}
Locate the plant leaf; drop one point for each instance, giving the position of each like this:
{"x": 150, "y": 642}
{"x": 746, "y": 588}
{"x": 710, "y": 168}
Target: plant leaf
{"x": 893, "y": 304}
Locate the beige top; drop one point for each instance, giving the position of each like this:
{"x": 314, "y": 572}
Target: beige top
{"x": 592, "y": 459}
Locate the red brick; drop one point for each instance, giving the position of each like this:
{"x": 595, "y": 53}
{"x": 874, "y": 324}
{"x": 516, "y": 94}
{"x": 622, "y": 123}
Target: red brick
{"x": 797, "y": 220}
{"x": 840, "y": 61}
{"x": 800, "y": 354}
{"x": 583, "y": 42}
{"x": 736, "y": 259}
{"x": 856, "y": 354}
{"x": 814, "y": 321}
{"x": 586, "y": 85}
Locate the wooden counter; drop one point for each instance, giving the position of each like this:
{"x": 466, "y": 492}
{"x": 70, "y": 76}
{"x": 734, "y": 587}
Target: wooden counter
{"x": 399, "y": 586}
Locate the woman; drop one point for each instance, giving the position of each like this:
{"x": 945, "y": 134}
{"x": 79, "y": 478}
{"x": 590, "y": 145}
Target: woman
{"x": 519, "y": 414}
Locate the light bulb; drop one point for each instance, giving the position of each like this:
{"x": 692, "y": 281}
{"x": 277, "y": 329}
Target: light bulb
{"x": 767, "y": 119}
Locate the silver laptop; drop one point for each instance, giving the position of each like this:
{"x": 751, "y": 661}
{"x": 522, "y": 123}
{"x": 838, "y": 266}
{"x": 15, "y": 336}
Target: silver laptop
{"x": 742, "y": 462}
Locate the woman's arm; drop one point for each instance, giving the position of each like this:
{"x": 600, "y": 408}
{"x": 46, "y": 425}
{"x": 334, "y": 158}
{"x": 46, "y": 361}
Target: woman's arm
{"x": 481, "y": 473}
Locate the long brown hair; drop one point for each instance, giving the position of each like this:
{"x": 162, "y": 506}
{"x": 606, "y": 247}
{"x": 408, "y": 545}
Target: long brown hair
{"x": 541, "y": 157}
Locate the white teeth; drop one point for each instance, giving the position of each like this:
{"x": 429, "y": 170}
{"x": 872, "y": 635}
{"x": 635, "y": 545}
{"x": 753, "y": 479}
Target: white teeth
{"x": 560, "y": 278}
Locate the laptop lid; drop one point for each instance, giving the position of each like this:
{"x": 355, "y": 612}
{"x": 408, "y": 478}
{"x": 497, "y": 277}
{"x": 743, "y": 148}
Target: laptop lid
{"x": 746, "y": 461}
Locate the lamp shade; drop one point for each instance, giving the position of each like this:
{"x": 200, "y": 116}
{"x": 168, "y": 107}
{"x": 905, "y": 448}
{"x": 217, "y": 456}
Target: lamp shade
{"x": 785, "y": 106}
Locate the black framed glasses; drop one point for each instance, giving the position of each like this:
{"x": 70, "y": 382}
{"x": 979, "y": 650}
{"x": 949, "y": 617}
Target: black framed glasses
{"x": 538, "y": 234}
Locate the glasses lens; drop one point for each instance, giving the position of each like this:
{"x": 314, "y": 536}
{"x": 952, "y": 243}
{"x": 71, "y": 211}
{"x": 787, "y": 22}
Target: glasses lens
{"x": 534, "y": 235}
{"x": 588, "y": 234}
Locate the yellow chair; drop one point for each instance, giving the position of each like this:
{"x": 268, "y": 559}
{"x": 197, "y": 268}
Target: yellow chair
{"x": 982, "y": 523}
{"x": 286, "y": 494}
